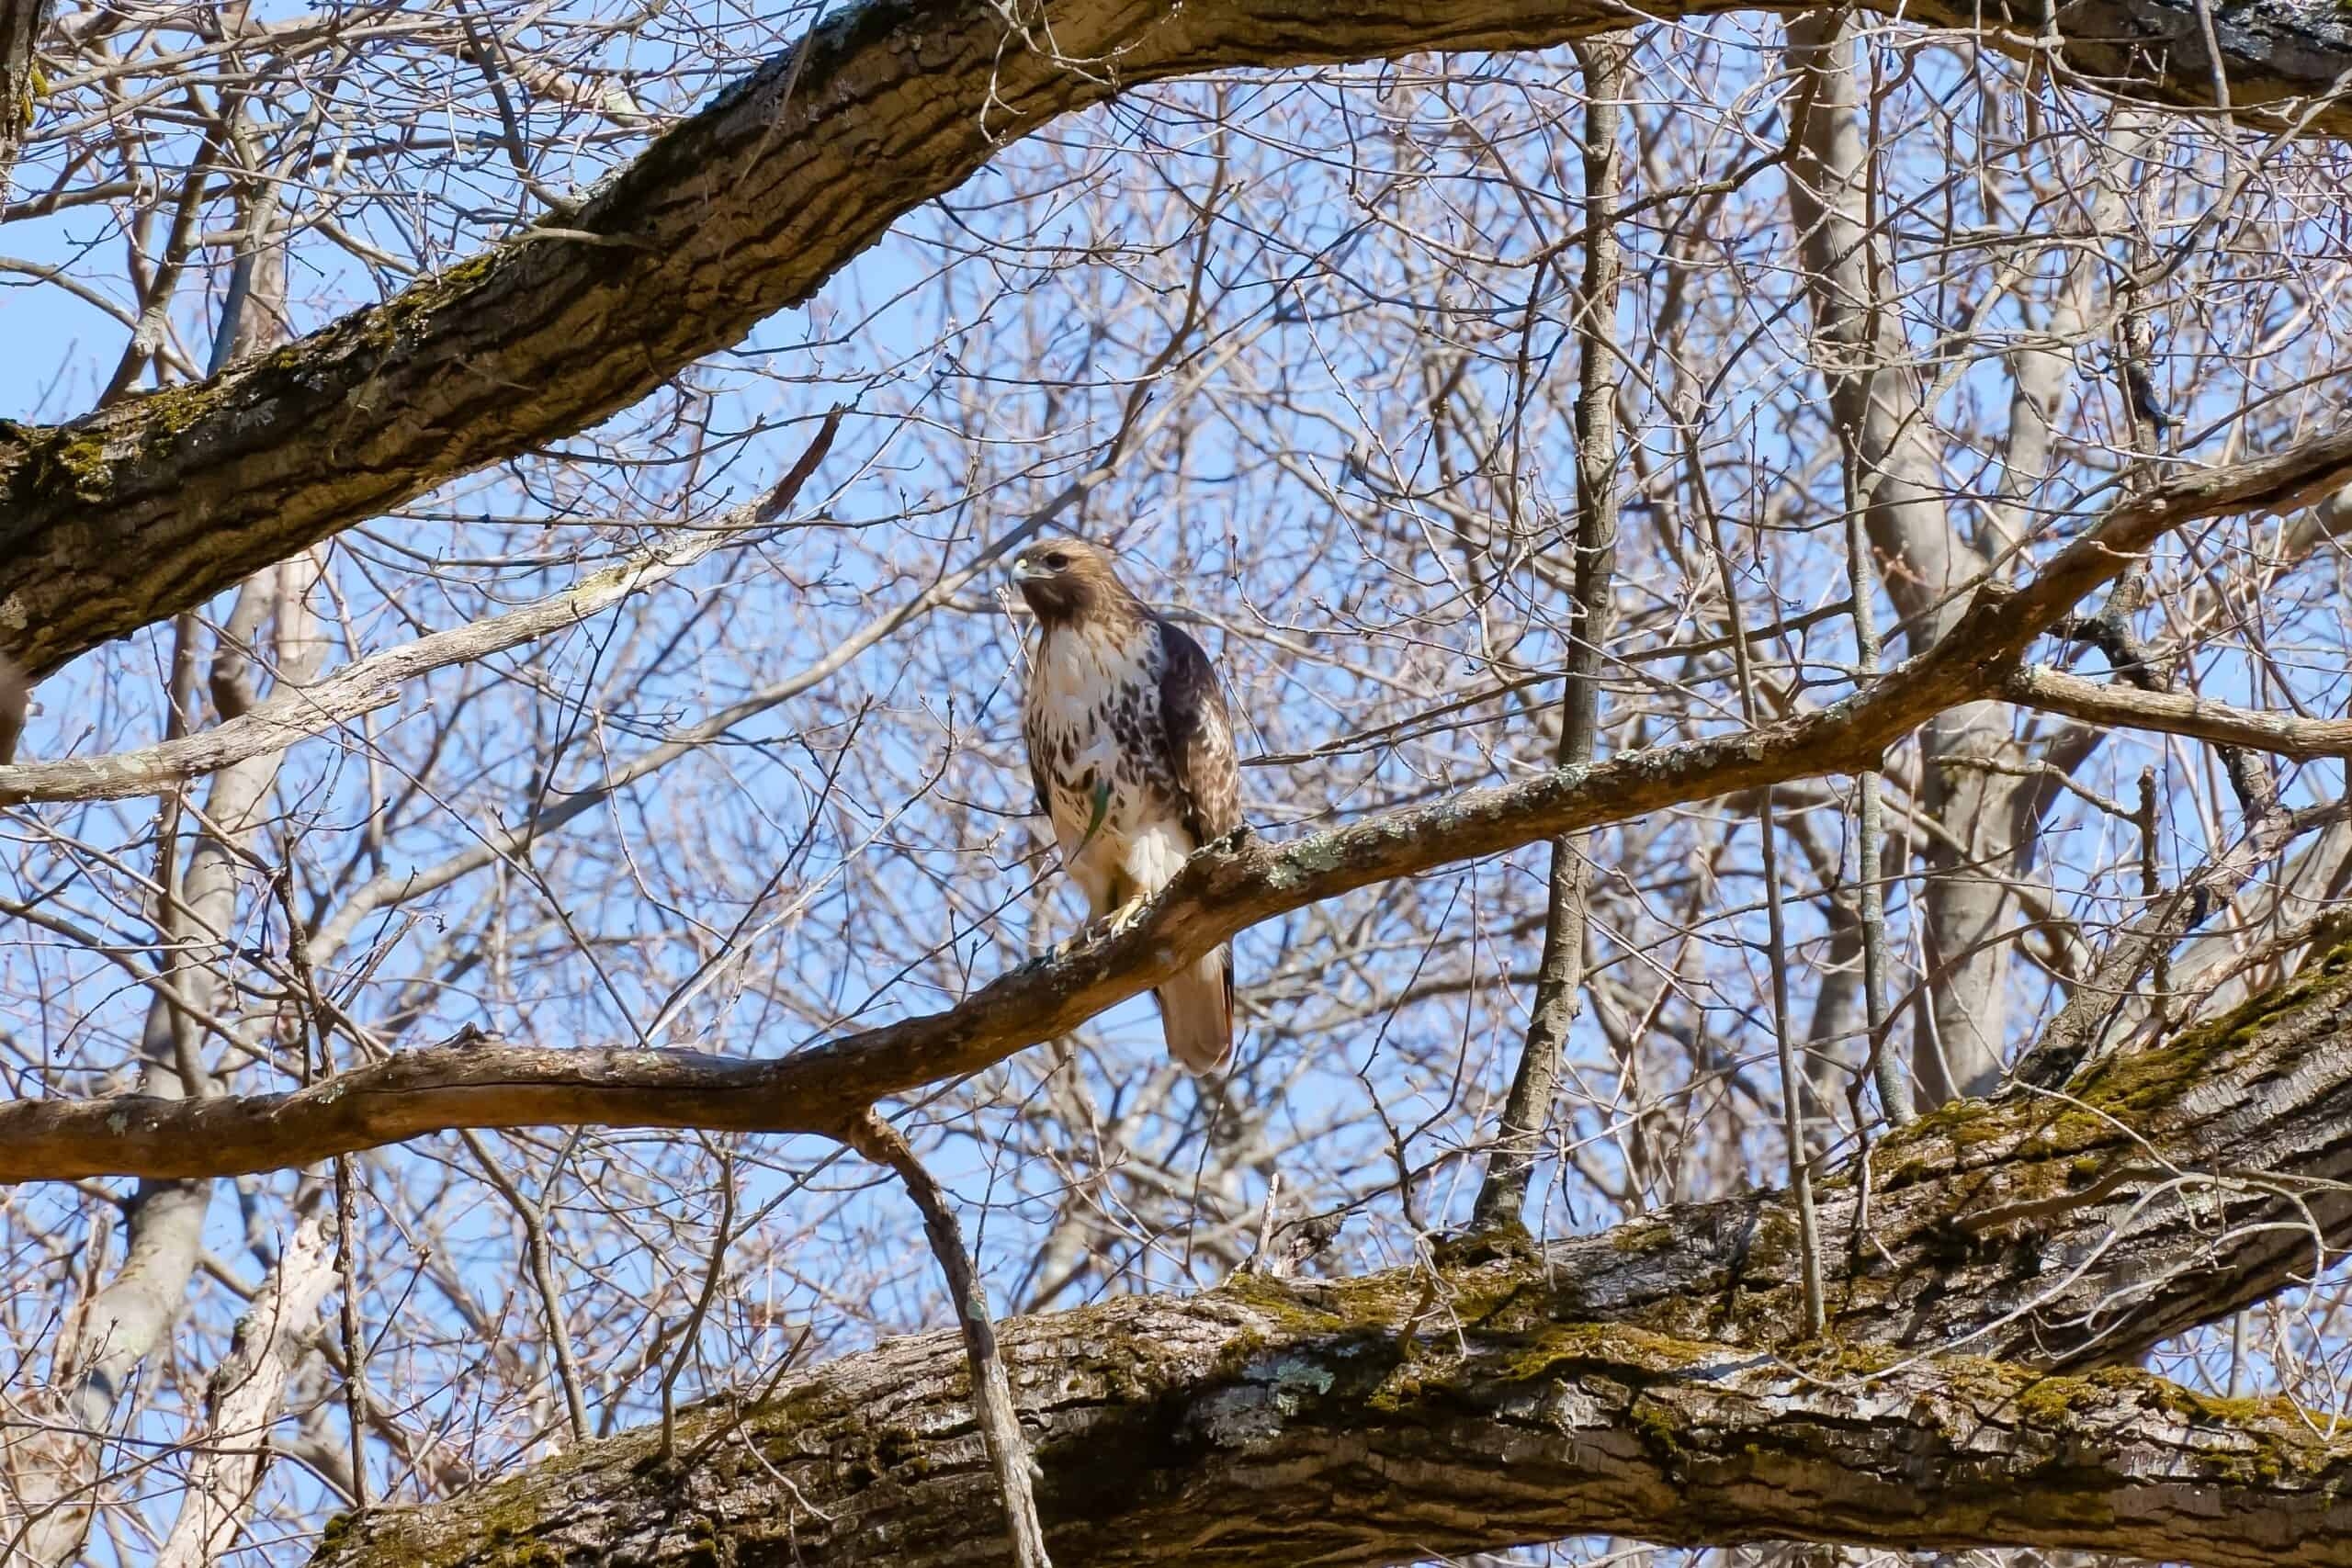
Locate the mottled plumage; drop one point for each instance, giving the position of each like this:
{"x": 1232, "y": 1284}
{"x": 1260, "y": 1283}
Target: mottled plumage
{"x": 1131, "y": 751}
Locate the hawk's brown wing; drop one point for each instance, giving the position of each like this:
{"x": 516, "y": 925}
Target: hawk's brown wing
{"x": 1196, "y": 1007}
{"x": 1200, "y": 738}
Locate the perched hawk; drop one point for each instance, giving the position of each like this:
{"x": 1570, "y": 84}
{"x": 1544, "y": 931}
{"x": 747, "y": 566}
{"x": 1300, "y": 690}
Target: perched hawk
{"x": 1131, "y": 751}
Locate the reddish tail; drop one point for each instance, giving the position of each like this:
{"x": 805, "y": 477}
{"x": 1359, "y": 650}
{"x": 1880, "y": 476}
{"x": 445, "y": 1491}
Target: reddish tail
{"x": 1196, "y": 1013}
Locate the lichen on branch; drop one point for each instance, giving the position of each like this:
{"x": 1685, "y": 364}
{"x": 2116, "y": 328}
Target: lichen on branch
{"x": 1977, "y": 1386}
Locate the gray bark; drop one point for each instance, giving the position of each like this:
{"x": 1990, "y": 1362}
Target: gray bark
{"x": 1976, "y": 1389}
{"x": 21, "y": 25}
{"x": 131, "y": 1316}
{"x": 1559, "y": 974}
{"x": 242, "y": 1397}
{"x": 1877, "y": 401}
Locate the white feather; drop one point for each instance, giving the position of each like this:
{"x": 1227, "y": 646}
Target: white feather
{"x": 1079, "y": 674}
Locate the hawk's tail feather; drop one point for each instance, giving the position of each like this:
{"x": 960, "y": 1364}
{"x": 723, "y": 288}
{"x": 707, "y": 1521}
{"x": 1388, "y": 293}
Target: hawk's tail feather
{"x": 1196, "y": 1013}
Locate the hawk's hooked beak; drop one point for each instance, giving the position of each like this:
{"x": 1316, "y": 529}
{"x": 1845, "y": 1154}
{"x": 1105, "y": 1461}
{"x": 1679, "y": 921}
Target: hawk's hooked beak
{"x": 1026, "y": 571}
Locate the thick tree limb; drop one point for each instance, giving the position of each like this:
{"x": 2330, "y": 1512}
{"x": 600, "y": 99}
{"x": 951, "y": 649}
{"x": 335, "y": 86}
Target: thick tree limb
{"x": 139, "y": 511}
{"x": 21, "y": 25}
{"x": 1640, "y": 1382}
{"x": 1241, "y": 1429}
{"x": 1224, "y": 889}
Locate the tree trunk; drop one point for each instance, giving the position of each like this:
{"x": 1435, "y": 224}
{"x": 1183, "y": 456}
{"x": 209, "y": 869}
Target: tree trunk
{"x": 21, "y": 24}
{"x": 131, "y": 1316}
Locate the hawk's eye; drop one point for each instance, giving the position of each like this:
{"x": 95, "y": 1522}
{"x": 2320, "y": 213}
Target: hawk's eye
{"x": 1058, "y": 561}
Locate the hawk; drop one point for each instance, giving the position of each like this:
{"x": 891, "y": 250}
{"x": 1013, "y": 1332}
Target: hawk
{"x": 1131, "y": 751}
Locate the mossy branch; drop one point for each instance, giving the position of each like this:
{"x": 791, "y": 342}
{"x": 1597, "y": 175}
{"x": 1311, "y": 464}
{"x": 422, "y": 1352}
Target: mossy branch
{"x": 1975, "y": 1387}
{"x": 1252, "y": 1427}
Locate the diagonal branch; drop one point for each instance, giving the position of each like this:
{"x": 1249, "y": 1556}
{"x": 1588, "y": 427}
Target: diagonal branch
{"x": 136, "y": 512}
{"x": 1232, "y": 885}
{"x": 295, "y": 712}
{"x": 983, "y": 1350}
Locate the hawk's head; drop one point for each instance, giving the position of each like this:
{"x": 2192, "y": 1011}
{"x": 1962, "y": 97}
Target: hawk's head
{"x": 1068, "y": 579}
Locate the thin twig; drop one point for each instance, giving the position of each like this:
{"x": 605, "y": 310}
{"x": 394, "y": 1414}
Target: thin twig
{"x": 2152, "y": 882}
{"x": 1886, "y": 1070}
{"x": 711, "y": 1276}
{"x": 1776, "y": 927}
{"x": 1261, "y": 1260}
{"x": 991, "y": 1388}
{"x": 542, "y": 1267}
{"x": 346, "y": 1260}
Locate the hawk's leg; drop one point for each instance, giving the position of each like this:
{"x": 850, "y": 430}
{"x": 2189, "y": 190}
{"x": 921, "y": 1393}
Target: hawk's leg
{"x": 1123, "y": 917}
{"x": 1103, "y": 927}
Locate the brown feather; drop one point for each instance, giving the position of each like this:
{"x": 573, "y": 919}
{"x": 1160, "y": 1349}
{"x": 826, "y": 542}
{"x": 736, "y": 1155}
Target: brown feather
{"x": 1196, "y": 1013}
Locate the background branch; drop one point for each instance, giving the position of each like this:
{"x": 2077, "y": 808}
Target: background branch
{"x": 992, "y": 1389}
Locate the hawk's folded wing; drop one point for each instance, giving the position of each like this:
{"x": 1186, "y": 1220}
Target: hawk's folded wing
{"x": 1200, "y": 738}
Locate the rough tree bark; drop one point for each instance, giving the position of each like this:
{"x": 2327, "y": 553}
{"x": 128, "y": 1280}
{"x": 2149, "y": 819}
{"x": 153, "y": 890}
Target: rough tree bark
{"x": 2017, "y": 1254}
{"x": 21, "y": 23}
{"x": 132, "y": 514}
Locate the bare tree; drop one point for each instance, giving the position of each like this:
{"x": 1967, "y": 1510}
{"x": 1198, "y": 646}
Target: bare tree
{"x": 1780, "y": 573}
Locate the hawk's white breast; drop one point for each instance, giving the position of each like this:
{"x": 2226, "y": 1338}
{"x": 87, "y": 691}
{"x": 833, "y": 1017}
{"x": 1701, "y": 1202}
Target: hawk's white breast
{"x": 1092, "y": 715}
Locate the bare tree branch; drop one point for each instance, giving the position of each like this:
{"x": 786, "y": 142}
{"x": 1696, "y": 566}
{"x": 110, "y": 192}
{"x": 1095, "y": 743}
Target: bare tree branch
{"x": 1527, "y": 1111}
{"x": 991, "y": 1387}
{"x": 133, "y": 512}
{"x": 2178, "y": 713}
{"x": 1224, "y": 889}
{"x": 1246, "y": 1428}
{"x": 294, "y": 711}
